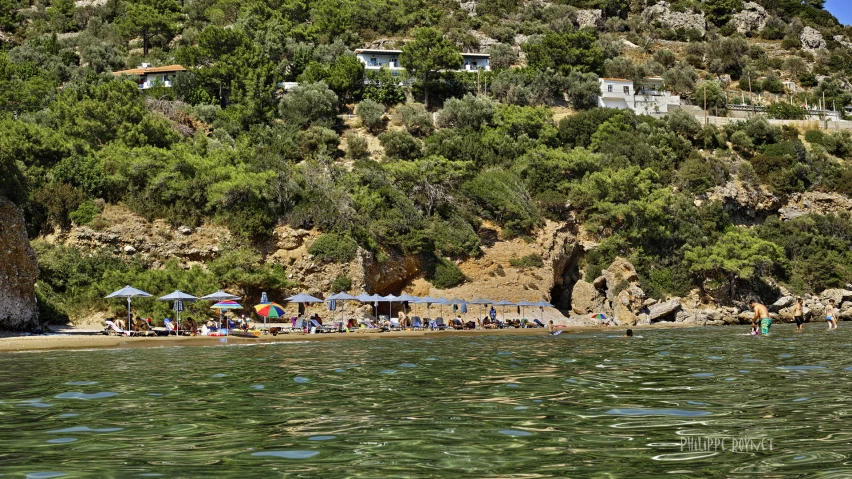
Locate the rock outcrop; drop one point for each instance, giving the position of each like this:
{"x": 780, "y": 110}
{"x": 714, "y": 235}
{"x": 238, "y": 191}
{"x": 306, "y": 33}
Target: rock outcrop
{"x": 751, "y": 19}
{"x": 586, "y": 299}
{"x": 811, "y": 39}
{"x": 18, "y": 271}
{"x": 589, "y": 18}
{"x": 663, "y": 14}
{"x": 814, "y": 202}
{"x": 743, "y": 204}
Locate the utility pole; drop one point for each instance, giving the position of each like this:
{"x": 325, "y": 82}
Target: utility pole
{"x": 750, "y": 96}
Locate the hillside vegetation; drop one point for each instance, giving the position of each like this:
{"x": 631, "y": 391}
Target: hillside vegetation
{"x": 421, "y": 164}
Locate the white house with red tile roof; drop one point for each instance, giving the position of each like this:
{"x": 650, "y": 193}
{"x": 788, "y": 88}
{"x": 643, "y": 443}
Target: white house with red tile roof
{"x": 149, "y": 76}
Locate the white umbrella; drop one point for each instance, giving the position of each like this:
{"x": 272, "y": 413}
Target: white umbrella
{"x": 390, "y": 299}
{"x": 128, "y": 292}
{"x": 178, "y": 297}
{"x": 220, "y": 296}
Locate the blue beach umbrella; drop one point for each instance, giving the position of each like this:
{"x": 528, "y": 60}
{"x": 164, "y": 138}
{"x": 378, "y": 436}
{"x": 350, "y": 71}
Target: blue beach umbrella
{"x": 541, "y": 305}
{"x": 178, "y": 297}
{"x": 504, "y": 303}
{"x": 128, "y": 292}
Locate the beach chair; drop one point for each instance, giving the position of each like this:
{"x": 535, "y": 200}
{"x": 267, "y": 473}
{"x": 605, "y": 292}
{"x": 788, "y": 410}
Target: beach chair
{"x": 112, "y": 329}
{"x": 500, "y": 324}
{"x": 538, "y": 323}
{"x": 321, "y": 328}
{"x": 416, "y": 323}
{"x": 368, "y": 323}
{"x": 394, "y": 324}
{"x": 524, "y": 323}
{"x": 440, "y": 324}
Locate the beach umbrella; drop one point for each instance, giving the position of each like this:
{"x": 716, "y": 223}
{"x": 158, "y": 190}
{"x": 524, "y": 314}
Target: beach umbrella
{"x": 220, "y": 296}
{"x": 390, "y": 299}
{"x": 428, "y": 301}
{"x": 523, "y": 305}
{"x": 303, "y": 298}
{"x": 541, "y": 305}
{"x": 504, "y": 303}
{"x": 269, "y": 310}
{"x": 128, "y": 292}
{"x": 482, "y": 302}
{"x": 178, "y": 297}
{"x": 600, "y": 316}
{"x": 407, "y": 299}
{"x": 223, "y": 305}
{"x": 342, "y": 297}
{"x": 441, "y": 302}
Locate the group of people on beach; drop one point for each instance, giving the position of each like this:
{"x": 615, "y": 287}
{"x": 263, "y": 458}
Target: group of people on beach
{"x": 763, "y": 321}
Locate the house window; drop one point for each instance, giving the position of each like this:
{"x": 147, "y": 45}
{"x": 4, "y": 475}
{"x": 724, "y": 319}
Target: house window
{"x": 373, "y": 61}
{"x": 626, "y": 90}
{"x": 473, "y": 64}
{"x": 609, "y": 88}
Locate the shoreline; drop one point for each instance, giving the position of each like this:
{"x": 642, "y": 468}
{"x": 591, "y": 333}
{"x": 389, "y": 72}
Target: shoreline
{"x": 80, "y": 341}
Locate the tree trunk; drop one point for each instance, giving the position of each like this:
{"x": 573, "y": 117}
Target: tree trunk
{"x": 426, "y": 90}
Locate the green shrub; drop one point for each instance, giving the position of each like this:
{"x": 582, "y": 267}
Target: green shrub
{"x": 814, "y": 137}
{"x": 371, "y": 114}
{"x": 356, "y": 147}
{"x": 416, "y": 120}
{"x": 341, "y": 283}
{"x": 85, "y": 213}
{"x": 468, "y": 112}
{"x": 334, "y": 247}
{"x": 446, "y": 274}
{"x": 400, "y": 145}
{"x": 503, "y": 198}
{"x": 528, "y": 261}
{"x": 786, "y": 111}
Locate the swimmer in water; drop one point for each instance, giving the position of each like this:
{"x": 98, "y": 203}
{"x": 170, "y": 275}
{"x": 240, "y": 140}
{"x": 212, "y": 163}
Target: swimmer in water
{"x": 831, "y": 315}
{"x": 629, "y": 333}
{"x": 760, "y": 314}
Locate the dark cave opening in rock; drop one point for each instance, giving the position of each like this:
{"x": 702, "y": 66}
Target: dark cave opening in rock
{"x": 566, "y": 274}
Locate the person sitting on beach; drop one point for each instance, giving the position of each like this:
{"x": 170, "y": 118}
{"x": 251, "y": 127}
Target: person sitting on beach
{"x": 457, "y": 323}
{"x": 403, "y": 319}
{"x": 470, "y": 325}
{"x": 516, "y": 323}
{"x": 317, "y": 318}
{"x": 487, "y": 324}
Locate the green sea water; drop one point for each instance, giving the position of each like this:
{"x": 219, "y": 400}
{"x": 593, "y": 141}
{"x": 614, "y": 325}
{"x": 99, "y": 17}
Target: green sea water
{"x": 704, "y": 402}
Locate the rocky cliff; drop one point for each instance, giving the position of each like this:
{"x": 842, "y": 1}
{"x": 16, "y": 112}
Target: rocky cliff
{"x": 18, "y": 271}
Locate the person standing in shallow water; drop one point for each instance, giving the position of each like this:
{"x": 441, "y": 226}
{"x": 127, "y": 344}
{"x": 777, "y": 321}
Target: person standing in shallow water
{"x": 761, "y": 314}
{"x": 798, "y": 315}
{"x": 831, "y": 315}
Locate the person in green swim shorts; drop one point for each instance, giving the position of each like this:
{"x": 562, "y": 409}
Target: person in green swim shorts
{"x": 760, "y": 314}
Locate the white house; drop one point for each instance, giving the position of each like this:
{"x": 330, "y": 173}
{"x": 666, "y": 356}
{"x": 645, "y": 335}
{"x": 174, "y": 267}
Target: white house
{"x": 149, "y": 76}
{"x": 648, "y": 99}
{"x": 374, "y": 59}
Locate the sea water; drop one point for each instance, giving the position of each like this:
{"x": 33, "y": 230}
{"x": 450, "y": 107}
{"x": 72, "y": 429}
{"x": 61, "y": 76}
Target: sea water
{"x": 682, "y": 402}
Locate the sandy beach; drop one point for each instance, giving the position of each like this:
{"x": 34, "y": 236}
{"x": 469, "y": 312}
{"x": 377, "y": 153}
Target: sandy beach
{"x": 70, "y": 339}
